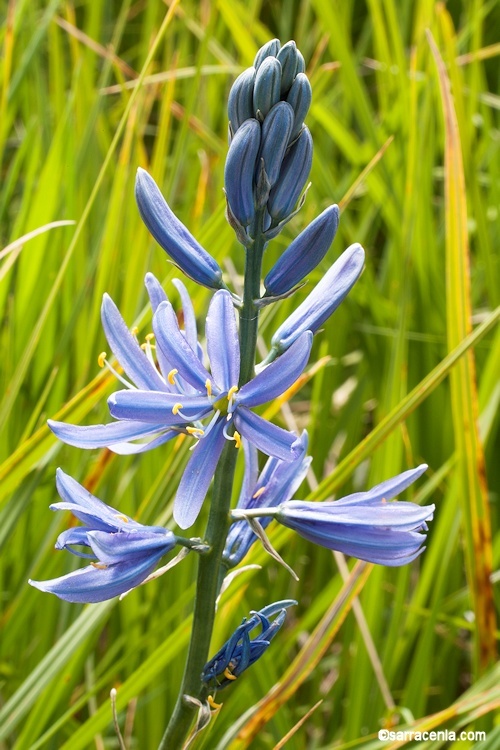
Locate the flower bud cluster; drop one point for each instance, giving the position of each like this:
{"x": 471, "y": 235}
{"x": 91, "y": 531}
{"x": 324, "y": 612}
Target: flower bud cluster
{"x": 270, "y": 151}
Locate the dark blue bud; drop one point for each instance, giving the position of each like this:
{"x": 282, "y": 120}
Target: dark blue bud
{"x": 266, "y": 92}
{"x": 240, "y": 102}
{"x": 304, "y": 254}
{"x": 287, "y": 56}
{"x": 270, "y": 49}
{"x": 301, "y": 63}
{"x": 276, "y": 132}
{"x": 173, "y": 236}
{"x": 293, "y": 176}
{"x": 299, "y": 98}
{"x": 240, "y": 170}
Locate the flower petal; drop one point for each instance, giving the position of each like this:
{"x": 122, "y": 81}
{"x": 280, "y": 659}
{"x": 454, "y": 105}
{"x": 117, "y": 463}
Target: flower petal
{"x": 385, "y": 490}
{"x": 94, "y": 584}
{"x": 279, "y": 375}
{"x": 102, "y": 435}
{"x": 402, "y": 516}
{"x": 156, "y": 292}
{"x": 76, "y": 497}
{"x": 197, "y": 476}
{"x": 115, "y": 548}
{"x": 177, "y": 350}
{"x": 190, "y": 330}
{"x": 126, "y": 349}
{"x": 132, "y": 449}
{"x": 222, "y": 341}
{"x": 154, "y": 407}
{"x": 267, "y": 437}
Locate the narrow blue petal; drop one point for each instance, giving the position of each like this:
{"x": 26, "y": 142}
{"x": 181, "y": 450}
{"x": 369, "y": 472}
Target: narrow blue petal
{"x": 154, "y": 407}
{"x": 156, "y": 292}
{"x": 71, "y": 537}
{"x": 177, "y": 350}
{"x": 324, "y": 298}
{"x": 267, "y": 437}
{"x": 402, "y": 516}
{"x": 385, "y": 490}
{"x": 190, "y": 329}
{"x": 222, "y": 341}
{"x": 251, "y": 473}
{"x": 123, "y": 545}
{"x": 93, "y": 584}
{"x": 279, "y": 375}
{"x": 101, "y": 435}
{"x": 77, "y": 497}
{"x": 129, "y": 449}
{"x": 197, "y": 476}
{"x": 126, "y": 349}
{"x": 172, "y": 235}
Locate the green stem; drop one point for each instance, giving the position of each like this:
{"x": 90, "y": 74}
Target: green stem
{"x": 209, "y": 564}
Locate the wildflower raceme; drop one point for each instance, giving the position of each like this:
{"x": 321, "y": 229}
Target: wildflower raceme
{"x": 204, "y": 392}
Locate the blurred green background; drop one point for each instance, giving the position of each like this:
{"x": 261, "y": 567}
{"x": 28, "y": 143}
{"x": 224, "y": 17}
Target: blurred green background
{"x": 408, "y": 366}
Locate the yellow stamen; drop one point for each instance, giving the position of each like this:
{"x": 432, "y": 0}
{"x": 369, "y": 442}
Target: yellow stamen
{"x": 171, "y": 375}
{"x": 122, "y": 517}
{"x": 194, "y": 431}
{"x": 208, "y": 386}
{"x": 176, "y": 408}
{"x": 101, "y": 359}
{"x": 259, "y": 492}
{"x": 134, "y": 331}
{"x": 213, "y": 704}
{"x": 237, "y": 439}
{"x": 99, "y": 566}
{"x": 149, "y": 336}
{"x": 144, "y": 347}
{"x": 231, "y": 392}
{"x": 228, "y": 674}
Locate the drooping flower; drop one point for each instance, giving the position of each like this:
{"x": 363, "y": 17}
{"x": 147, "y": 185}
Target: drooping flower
{"x": 139, "y": 366}
{"x": 240, "y": 652}
{"x": 215, "y": 395}
{"x": 173, "y": 236}
{"x": 126, "y": 552}
{"x": 364, "y": 524}
{"x": 276, "y": 484}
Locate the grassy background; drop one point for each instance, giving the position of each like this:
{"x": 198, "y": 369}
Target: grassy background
{"x": 401, "y": 379}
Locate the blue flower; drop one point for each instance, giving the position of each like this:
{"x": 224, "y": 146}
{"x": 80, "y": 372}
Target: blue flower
{"x": 126, "y": 551}
{"x": 173, "y": 236}
{"x": 141, "y": 369}
{"x": 364, "y": 524}
{"x": 182, "y": 393}
{"x": 213, "y": 395}
{"x": 240, "y": 652}
{"x": 276, "y": 484}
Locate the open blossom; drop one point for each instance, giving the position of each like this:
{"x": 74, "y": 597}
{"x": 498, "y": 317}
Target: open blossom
{"x": 240, "y": 651}
{"x": 276, "y": 484}
{"x": 125, "y": 552}
{"x": 180, "y": 395}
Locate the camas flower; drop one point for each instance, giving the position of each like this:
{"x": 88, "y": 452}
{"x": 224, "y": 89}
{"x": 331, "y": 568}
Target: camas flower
{"x": 179, "y": 396}
{"x": 240, "y": 652}
{"x": 126, "y": 551}
{"x": 363, "y": 524}
{"x": 215, "y": 396}
{"x": 276, "y": 484}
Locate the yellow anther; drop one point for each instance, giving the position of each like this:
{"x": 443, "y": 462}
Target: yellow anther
{"x": 171, "y": 375}
{"x": 237, "y": 439}
{"x": 231, "y": 392}
{"x": 228, "y": 675}
{"x": 176, "y": 408}
{"x": 149, "y": 336}
{"x": 259, "y": 492}
{"x": 194, "y": 431}
{"x": 213, "y": 704}
{"x": 134, "y": 331}
{"x": 122, "y": 517}
{"x": 99, "y": 566}
{"x": 208, "y": 386}
{"x": 101, "y": 359}
{"x": 144, "y": 347}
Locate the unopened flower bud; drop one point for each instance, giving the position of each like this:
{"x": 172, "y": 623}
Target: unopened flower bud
{"x": 240, "y": 102}
{"x": 304, "y": 254}
{"x": 240, "y": 171}
{"x": 299, "y": 97}
{"x": 276, "y": 131}
{"x": 267, "y": 87}
{"x": 293, "y": 176}
{"x": 270, "y": 49}
{"x": 287, "y": 56}
{"x": 301, "y": 63}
